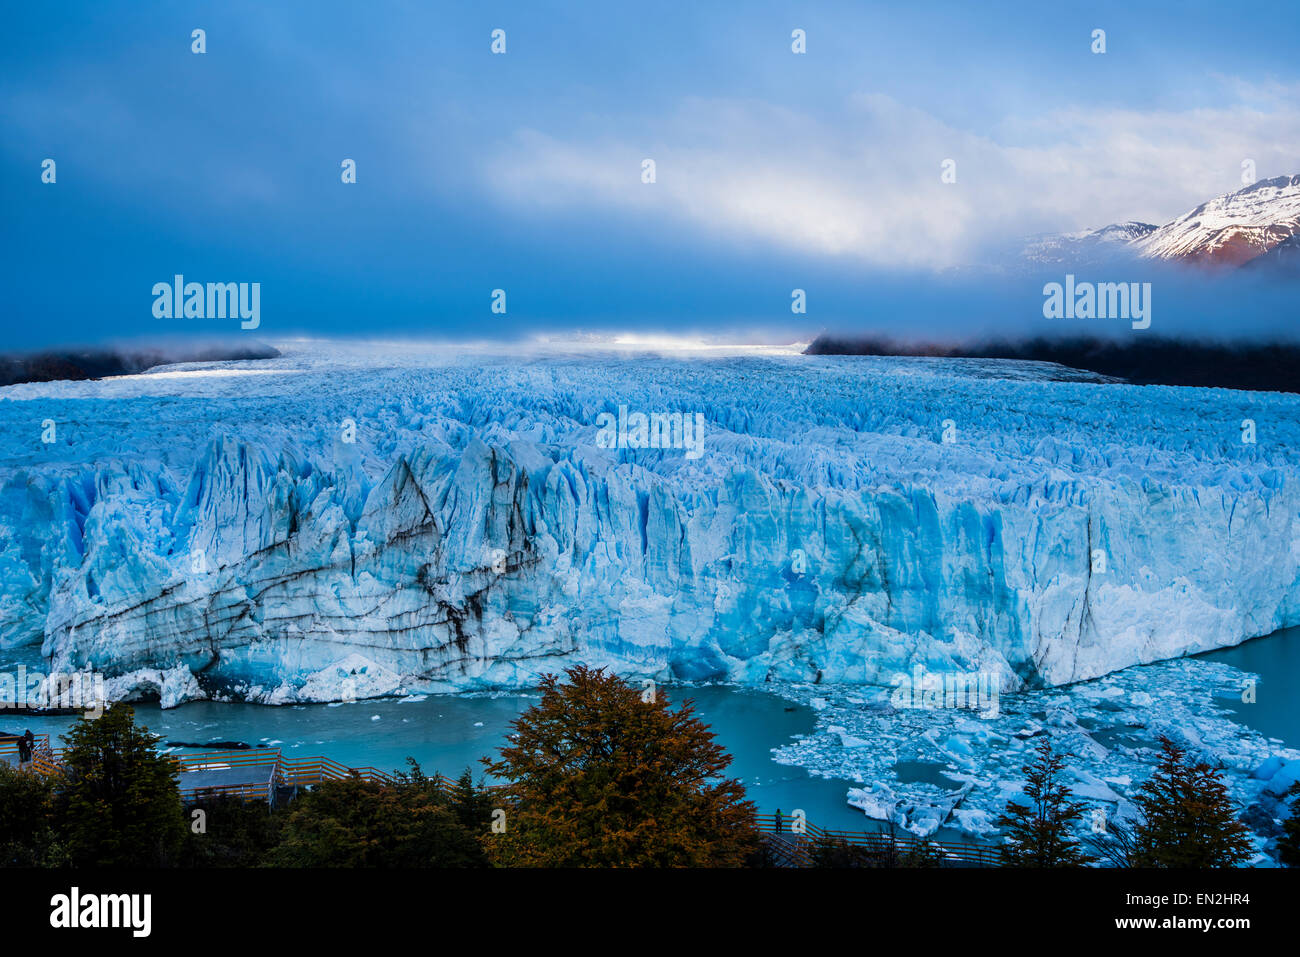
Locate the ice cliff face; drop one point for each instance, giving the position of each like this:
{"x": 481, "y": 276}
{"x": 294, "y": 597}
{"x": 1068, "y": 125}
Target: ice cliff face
{"x": 337, "y": 522}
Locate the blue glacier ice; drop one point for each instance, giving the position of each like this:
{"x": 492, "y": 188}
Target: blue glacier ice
{"x": 355, "y": 520}
{"x": 1108, "y": 729}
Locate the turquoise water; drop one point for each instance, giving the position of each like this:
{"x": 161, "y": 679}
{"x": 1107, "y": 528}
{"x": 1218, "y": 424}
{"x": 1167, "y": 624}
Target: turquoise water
{"x": 448, "y": 733}
{"x": 1275, "y": 712}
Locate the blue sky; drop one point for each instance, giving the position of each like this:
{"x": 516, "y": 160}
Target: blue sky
{"x": 522, "y": 171}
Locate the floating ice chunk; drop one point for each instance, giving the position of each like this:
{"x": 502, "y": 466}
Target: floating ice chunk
{"x": 1104, "y": 779}
{"x": 877, "y": 801}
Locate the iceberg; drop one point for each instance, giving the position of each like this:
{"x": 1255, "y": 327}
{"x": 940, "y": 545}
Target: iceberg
{"x": 1108, "y": 730}
{"x": 358, "y": 520}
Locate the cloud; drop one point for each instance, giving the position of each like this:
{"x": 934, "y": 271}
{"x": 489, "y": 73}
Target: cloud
{"x": 867, "y": 186}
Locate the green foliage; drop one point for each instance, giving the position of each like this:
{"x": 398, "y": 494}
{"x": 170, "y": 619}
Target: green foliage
{"x": 1188, "y": 817}
{"x": 601, "y": 777}
{"x": 233, "y": 832}
{"x": 1288, "y": 845}
{"x": 923, "y": 854}
{"x": 357, "y": 823}
{"x": 472, "y": 804}
{"x": 116, "y": 802}
{"x": 1040, "y": 834}
{"x": 835, "y": 852}
{"x": 27, "y": 837}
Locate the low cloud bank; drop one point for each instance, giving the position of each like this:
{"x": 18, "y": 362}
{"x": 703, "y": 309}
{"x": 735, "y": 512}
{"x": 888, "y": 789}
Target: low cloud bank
{"x": 96, "y": 363}
{"x": 1260, "y": 366}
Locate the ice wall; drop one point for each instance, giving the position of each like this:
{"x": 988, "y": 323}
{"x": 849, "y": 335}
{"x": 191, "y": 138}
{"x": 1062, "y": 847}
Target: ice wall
{"x": 337, "y": 526}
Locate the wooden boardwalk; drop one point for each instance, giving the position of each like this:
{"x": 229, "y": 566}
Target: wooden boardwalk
{"x": 261, "y": 772}
{"x": 255, "y": 773}
{"x": 264, "y": 773}
{"x": 791, "y": 848}
{"x": 44, "y": 758}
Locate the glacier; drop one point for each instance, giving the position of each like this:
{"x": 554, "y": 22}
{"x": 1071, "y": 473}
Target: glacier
{"x": 360, "y": 519}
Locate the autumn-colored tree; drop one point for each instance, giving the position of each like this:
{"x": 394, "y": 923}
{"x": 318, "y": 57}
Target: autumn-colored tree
{"x": 359, "y": 823}
{"x": 1040, "y": 834}
{"x": 117, "y": 800}
{"x": 1188, "y": 817}
{"x": 604, "y": 775}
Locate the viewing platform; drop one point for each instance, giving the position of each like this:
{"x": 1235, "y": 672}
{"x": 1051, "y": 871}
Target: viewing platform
{"x": 265, "y": 774}
{"x": 259, "y": 773}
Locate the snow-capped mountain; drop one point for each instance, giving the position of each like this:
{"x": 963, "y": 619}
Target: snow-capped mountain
{"x": 1229, "y": 230}
{"x": 1086, "y": 245}
{"x": 1282, "y": 260}
{"x": 339, "y": 522}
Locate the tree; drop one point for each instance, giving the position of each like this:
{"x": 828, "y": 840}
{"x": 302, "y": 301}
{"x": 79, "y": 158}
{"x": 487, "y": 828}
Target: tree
{"x": 1288, "y": 845}
{"x": 472, "y": 804}
{"x": 1188, "y": 817}
{"x": 26, "y": 806}
{"x": 1116, "y": 845}
{"x": 117, "y": 802}
{"x": 887, "y": 852}
{"x": 835, "y": 852}
{"x": 359, "y": 823}
{"x": 1040, "y": 834}
{"x": 604, "y": 776}
{"x": 235, "y": 832}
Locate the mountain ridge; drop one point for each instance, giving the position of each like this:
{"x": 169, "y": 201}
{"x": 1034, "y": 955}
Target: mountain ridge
{"x": 1225, "y": 232}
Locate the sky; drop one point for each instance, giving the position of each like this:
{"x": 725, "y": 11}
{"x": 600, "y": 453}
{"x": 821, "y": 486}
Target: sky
{"x": 522, "y": 171}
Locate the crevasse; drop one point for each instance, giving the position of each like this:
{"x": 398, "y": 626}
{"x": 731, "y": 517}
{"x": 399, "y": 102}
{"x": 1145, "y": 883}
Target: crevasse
{"x": 218, "y": 533}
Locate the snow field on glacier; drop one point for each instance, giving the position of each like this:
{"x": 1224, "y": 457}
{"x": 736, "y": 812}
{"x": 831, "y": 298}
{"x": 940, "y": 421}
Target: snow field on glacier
{"x": 828, "y": 532}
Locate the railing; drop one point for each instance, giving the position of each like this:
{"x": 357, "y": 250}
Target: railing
{"x": 283, "y": 772}
{"x": 314, "y": 770}
{"x": 249, "y": 792}
{"x": 794, "y": 849}
{"x": 789, "y": 848}
{"x": 48, "y": 763}
{"x": 225, "y": 761}
{"x": 10, "y": 745}
{"x": 208, "y": 760}
{"x": 43, "y": 760}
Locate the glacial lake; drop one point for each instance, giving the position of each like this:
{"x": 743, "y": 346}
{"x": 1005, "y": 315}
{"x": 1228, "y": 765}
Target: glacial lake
{"x": 447, "y": 733}
{"x": 1275, "y": 713}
